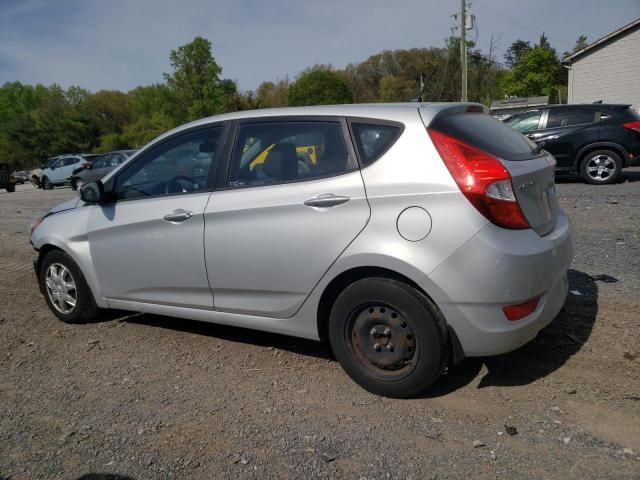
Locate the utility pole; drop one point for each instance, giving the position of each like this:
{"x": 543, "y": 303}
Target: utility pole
{"x": 463, "y": 48}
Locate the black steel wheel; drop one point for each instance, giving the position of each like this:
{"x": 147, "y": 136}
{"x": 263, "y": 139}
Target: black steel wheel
{"x": 389, "y": 337}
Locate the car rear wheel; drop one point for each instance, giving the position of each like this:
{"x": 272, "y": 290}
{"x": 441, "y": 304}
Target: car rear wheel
{"x": 65, "y": 289}
{"x": 46, "y": 184}
{"x": 388, "y": 337}
{"x": 11, "y": 188}
{"x": 601, "y": 167}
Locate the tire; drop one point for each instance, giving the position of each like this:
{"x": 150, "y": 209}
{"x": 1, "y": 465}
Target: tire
{"x": 46, "y": 184}
{"x": 601, "y": 167}
{"x": 388, "y": 337}
{"x": 85, "y": 308}
{"x": 11, "y": 188}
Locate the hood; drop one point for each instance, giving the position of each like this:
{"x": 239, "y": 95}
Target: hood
{"x": 68, "y": 205}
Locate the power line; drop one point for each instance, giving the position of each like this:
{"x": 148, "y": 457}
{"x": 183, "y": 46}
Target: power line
{"x": 498, "y": 14}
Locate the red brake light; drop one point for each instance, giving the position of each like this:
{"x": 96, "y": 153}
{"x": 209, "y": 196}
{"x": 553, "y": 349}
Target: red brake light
{"x": 482, "y": 179}
{"x": 632, "y": 126}
{"x": 516, "y": 312}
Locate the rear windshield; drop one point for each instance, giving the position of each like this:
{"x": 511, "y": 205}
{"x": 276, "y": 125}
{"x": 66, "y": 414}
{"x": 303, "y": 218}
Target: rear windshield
{"x": 624, "y": 114}
{"x": 488, "y": 134}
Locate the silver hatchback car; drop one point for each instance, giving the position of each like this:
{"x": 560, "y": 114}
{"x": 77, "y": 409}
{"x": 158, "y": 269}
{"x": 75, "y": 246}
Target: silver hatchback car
{"x": 409, "y": 235}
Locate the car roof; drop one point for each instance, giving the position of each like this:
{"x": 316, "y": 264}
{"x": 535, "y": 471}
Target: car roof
{"x": 597, "y": 106}
{"x": 590, "y": 105}
{"x": 385, "y": 111}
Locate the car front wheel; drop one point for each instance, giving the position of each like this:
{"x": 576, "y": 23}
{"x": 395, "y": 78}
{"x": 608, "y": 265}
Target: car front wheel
{"x": 389, "y": 337}
{"x": 65, "y": 289}
{"x": 601, "y": 167}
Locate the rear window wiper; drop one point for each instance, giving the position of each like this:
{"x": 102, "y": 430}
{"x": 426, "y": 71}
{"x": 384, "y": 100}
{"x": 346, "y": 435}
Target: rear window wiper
{"x": 539, "y": 147}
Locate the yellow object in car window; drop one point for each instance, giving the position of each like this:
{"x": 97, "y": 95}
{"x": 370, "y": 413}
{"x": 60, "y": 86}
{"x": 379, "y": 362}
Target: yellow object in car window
{"x": 312, "y": 152}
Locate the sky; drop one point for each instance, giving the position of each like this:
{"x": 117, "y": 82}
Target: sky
{"x": 121, "y": 44}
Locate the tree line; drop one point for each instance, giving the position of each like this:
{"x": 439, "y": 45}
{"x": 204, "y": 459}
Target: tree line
{"x": 37, "y": 122}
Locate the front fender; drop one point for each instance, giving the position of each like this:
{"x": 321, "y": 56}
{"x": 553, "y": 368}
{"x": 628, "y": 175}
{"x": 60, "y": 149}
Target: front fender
{"x": 66, "y": 231}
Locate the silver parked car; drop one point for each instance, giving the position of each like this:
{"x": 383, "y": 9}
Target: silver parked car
{"x": 409, "y": 235}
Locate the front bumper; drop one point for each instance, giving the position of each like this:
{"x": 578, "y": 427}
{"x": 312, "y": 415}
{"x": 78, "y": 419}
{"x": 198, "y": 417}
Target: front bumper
{"x": 497, "y": 268}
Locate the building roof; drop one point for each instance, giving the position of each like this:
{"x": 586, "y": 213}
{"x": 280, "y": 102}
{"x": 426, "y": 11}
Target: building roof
{"x": 603, "y": 40}
{"x": 520, "y": 102}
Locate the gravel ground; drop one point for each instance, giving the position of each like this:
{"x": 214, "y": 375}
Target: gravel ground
{"x": 143, "y": 396}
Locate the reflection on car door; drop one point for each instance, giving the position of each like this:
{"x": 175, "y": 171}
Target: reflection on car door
{"x": 273, "y": 233}
{"x": 148, "y": 245}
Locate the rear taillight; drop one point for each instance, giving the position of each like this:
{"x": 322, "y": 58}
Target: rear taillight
{"x": 521, "y": 310}
{"x": 632, "y": 126}
{"x": 482, "y": 179}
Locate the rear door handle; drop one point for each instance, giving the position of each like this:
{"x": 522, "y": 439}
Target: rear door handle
{"x": 178, "y": 216}
{"x": 326, "y": 200}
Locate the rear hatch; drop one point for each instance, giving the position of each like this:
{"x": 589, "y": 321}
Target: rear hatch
{"x": 531, "y": 170}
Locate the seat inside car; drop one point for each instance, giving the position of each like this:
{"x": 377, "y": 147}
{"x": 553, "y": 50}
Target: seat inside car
{"x": 281, "y": 162}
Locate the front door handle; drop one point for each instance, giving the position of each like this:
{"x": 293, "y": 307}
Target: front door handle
{"x": 326, "y": 200}
{"x": 178, "y": 216}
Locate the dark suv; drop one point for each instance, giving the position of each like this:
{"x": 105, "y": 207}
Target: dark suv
{"x": 595, "y": 140}
{"x": 7, "y": 180}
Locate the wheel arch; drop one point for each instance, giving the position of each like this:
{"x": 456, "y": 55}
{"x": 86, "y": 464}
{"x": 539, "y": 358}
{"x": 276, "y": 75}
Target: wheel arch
{"x": 615, "y": 147}
{"x": 347, "y": 277}
{"x": 89, "y": 276}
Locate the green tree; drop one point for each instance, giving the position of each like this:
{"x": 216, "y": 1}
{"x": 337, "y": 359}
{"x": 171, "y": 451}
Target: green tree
{"x": 195, "y": 82}
{"x": 272, "y": 94}
{"x": 543, "y": 42}
{"x": 515, "y": 51}
{"x": 581, "y": 43}
{"x": 110, "y": 110}
{"x": 319, "y": 86}
{"x": 537, "y": 73}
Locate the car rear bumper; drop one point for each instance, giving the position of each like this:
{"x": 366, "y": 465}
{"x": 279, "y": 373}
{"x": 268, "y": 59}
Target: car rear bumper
{"x": 498, "y": 268}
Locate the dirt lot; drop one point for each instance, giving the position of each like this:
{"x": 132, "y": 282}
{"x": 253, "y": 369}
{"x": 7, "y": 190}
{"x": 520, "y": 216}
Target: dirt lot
{"x": 143, "y": 396}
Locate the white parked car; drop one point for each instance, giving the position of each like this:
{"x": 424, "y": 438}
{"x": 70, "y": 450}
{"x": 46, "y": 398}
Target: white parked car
{"x": 59, "y": 171}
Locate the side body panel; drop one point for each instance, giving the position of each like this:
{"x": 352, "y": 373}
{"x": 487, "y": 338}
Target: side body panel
{"x": 141, "y": 257}
{"x": 266, "y": 250}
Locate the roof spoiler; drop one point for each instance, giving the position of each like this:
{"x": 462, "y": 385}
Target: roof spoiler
{"x": 430, "y": 112}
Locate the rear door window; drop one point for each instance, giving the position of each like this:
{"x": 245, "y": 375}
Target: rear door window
{"x": 289, "y": 151}
{"x": 567, "y": 117}
{"x": 488, "y": 134}
{"x": 373, "y": 140}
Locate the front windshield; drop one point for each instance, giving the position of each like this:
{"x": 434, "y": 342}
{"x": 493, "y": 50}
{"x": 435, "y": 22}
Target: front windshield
{"x": 49, "y": 162}
{"x": 101, "y": 161}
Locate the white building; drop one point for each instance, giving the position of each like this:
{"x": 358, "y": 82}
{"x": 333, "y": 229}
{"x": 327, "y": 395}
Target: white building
{"x": 607, "y": 69}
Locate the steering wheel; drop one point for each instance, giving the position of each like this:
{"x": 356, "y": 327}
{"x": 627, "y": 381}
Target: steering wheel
{"x": 174, "y": 186}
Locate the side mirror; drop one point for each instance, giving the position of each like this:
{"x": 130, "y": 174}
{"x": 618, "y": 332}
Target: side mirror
{"x": 93, "y": 192}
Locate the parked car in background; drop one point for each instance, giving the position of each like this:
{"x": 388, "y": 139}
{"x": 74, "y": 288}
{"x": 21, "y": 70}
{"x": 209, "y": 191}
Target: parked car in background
{"x": 22, "y": 177}
{"x": 89, "y": 157}
{"x": 7, "y": 180}
{"x": 35, "y": 175}
{"x": 595, "y": 140}
{"x": 58, "y": 172}
{"x": 420, "y": 233}
{"x": 98, "y": 168}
